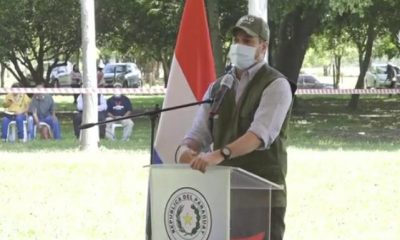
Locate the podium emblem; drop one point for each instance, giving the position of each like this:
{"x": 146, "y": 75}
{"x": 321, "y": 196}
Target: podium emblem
{"x": 187, "y": 215}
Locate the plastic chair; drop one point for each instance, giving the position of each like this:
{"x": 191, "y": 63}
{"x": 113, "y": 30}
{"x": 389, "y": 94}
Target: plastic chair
{"x": 40, "y": 125}
{"x": 113, "y": 127}
{"x": 12, "y": 131}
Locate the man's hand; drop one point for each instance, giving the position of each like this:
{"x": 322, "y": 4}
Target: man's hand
{"x": 187, "y": 155}
{"x": 203, "y": 160}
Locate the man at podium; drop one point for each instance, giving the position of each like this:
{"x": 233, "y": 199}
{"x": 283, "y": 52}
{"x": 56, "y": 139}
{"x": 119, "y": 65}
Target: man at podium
{"x": 246, "y": 124}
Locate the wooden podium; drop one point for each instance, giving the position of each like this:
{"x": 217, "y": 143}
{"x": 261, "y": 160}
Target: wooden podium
{"x": 225, "y": 203}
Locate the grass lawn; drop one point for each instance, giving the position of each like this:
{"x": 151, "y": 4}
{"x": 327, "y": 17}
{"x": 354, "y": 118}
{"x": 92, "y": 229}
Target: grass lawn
{"x": 342, "y": 178}
{"x": 74, "y": 195}
{"x": 343, "y": 195}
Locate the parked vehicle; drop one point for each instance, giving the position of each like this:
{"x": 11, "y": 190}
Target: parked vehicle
{"x": 127, "y": 74}
{"x": 376, "y": 76}
{"x": 60, "y": 76}
{"x": 310, "y": 81}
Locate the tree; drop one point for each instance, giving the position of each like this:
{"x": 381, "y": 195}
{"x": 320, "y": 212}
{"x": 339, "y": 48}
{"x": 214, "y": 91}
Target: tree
{"x": 35, "y": 32}
{"x": 292, "y": 24}
{"x": 337, "y": 42}
{"x": 364, "y": 25}
{"x": 146, "y": 28}
{"x": 386, "y": 47}
{"x": 229, "y": 13}
{"x": 216, "y": 39}
{"x": 2, "y": 73}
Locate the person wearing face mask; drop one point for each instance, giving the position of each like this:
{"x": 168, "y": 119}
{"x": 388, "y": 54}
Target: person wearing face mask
{"x": 119, "y": 106}
{"x": 249, "y": 129}
{"x": 16, "y": 109}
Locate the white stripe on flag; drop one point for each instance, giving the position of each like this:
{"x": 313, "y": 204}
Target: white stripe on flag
{"x": 174, "y": 124}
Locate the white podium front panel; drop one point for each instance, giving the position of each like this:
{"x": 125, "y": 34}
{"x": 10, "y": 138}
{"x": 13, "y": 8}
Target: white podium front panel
{"x": 187, "y": 204}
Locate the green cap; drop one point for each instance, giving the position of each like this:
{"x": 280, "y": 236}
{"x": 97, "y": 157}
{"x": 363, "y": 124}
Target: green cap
{"x": 254, "y": 26}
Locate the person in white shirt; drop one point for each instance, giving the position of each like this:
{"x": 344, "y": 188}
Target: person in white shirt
{"x": 102, "y": 112}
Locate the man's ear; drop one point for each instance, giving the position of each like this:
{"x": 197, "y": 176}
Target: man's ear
{"x": 264, "y": 46}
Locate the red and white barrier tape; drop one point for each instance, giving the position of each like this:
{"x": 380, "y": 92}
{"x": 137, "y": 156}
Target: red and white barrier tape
{"x": 161, "y": 90}
{"x": 347, "y": 91}
{"x": 133, "y": 91}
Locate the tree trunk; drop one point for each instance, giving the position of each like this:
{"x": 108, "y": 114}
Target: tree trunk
{"x": 157, "y": 70}
{"x": 16, "y": 71}
{"x": 294, "y": 35}
{"x": 166, "y": 69}
{"x": 2, "y": 74}
{"x": 364, "y": 61}
{"x": 215, "y": 35}
{"x": 338, "y": 63}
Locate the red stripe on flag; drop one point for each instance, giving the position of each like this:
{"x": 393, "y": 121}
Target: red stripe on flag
{"x": 259, "y": 236}
{"x": 193, "y": 48}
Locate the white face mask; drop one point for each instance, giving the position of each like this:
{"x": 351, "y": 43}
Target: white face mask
{"x": 242, "y": 56}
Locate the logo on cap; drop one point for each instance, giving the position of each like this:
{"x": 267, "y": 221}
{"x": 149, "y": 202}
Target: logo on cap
{"x": 246, "y": 20}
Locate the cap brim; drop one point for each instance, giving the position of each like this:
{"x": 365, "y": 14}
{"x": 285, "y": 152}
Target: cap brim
{"x": 247, "y": 30}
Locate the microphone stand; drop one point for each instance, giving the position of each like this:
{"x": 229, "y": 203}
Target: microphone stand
{"x": 153, "y": 115}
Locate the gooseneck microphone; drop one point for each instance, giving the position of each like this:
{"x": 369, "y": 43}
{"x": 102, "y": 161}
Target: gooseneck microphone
{"x": 226, "y": 84}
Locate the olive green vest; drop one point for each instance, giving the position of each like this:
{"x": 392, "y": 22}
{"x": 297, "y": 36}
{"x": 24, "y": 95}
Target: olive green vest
{"x": 234, "y": 120}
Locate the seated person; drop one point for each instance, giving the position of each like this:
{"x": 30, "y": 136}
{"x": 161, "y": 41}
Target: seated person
{"x": 119, "y": 106}
{"x": 42, "y": 109}
{"x": 15, "y": 109}
{"x": 76, "y": 78}
{"x": 102, "y": 112}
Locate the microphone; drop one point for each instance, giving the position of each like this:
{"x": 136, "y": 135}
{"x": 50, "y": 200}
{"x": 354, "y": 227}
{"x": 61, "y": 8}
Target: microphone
{"x": 88, "y": 125}
{"x": 226, "y": 84}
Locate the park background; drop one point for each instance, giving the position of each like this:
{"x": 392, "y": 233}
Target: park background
{"x": 343, "y": 161}
{"x": 342, "y": 177}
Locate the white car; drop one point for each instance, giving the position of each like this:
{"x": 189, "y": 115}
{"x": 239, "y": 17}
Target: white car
{"x": 61, "y": 76}
{"x": 376, "y": 76}
{"x": 127, "y": 74}
{"x": 305, "y": 81}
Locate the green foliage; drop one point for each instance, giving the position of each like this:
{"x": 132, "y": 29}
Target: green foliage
{"x": 386, "y": 47}
{"x": 230, "y": 12}
{"x": 324, "y": 47}
{"x": 146, "y": 30}
{"x": 317, "y": 54}
{"x": 143, "y": 30}
{"x": 37, "y": 31}
{"x": 354, "y": 6}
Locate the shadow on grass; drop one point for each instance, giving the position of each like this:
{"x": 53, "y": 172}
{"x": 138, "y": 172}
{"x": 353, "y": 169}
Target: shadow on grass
{"x": 327, "y": 123}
